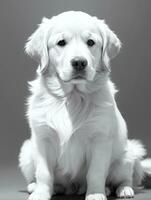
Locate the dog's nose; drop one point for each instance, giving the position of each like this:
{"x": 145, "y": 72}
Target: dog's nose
{"x": 79, "y": 63}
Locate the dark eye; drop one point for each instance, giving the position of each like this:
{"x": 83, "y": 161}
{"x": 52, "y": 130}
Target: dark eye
{"x": 90, "y": 43}
{"x": 61, "y": 43}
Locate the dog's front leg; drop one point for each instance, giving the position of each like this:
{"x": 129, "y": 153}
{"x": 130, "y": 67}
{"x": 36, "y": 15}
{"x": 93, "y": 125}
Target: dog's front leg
{"x": 44, "y": 159}
{"x": 98, "y": 161}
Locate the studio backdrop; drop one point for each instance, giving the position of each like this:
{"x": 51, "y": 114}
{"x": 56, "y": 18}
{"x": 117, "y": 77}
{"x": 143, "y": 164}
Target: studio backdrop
{"x": 131, "y": 69}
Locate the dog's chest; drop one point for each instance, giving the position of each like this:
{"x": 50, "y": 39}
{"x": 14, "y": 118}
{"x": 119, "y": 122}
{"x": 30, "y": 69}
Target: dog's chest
{"x": 69, "y": 115}
{"x": 77, "y": 113}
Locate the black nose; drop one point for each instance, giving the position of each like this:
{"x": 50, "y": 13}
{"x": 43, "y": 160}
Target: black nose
{"x": 79, "y": 63}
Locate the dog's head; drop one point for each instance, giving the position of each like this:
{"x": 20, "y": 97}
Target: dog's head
{"x": 74, "y": 46}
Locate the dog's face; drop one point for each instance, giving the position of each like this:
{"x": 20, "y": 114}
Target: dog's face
{"x": 74, "y": 46}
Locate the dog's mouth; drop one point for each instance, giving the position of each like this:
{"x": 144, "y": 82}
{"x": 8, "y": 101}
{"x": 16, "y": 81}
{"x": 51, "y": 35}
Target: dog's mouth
{"x": 75, "y": 78}
{"x": 78, "y": 77}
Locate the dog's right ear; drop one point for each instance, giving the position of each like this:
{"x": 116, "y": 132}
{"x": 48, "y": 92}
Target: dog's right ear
{"x": 36, "y": 45}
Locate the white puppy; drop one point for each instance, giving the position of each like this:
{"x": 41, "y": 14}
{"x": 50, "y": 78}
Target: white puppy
{"x": 78, "y": 136}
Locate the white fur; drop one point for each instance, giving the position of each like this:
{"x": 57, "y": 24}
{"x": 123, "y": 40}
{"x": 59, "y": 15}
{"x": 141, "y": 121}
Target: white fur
{"x": 78, "y": 136}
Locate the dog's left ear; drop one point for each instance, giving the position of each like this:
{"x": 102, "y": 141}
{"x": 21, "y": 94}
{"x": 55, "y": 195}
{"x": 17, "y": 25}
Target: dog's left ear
{"x": 36, "y": 45}
{"x": 111, "y": 43}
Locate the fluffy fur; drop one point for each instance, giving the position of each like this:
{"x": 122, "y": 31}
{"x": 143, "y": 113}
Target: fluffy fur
{"x": 78, "y": 138}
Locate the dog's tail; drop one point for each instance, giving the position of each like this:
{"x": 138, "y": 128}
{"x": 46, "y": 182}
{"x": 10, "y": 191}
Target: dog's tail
{"x": 142, "y": 167}
{"x": 146, "y": 165}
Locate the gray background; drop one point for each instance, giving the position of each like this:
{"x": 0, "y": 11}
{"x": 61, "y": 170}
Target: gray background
{"x": 131, "y": 70}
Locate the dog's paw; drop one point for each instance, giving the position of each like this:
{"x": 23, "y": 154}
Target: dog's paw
{"x": 40, "y": 193}
{"x": 125, "y": 192}
{"x": 31, "y": 187}
{"x": 39, "y": 196}
{"x": 96, "y": 196}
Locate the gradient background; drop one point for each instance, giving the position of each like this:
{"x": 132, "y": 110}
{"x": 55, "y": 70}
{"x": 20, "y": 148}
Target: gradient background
{"x": 131, "y": 71}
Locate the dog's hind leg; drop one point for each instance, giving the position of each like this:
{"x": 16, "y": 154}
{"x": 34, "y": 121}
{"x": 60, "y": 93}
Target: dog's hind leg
{"x": 120, "y": 177}
{"x": 26, "y": 165}
{"x": 124, "y": 189}
{"x": 127, "y": 169}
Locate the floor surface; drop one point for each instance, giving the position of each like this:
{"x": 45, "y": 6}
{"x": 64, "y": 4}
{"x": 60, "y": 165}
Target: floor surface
{"x": 12, "y": 187}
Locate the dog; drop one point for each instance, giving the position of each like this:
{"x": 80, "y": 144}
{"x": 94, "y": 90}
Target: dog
{"x": 79, "y": 141}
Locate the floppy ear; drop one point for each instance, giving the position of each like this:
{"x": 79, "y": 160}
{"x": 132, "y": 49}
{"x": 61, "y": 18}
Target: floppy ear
{"x": 111, "y": 43}
{"x": 36, "y": 45}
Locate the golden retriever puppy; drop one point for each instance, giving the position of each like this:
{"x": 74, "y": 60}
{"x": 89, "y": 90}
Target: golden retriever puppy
{"x": 78, "y": 138}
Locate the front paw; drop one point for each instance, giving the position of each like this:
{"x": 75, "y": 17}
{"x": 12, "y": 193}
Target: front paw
{"x": 96, "y": 196}
{"x": 39, "y": 196}
{"x": 125, "y": 192}
{"x": 31, "y": 187}
{"x": 40, "y": 193}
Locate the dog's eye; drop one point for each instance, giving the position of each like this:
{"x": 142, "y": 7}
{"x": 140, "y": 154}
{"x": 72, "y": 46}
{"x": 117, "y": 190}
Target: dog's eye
{"x": 90, "y": 43}
{"x": 61, "y": 43}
